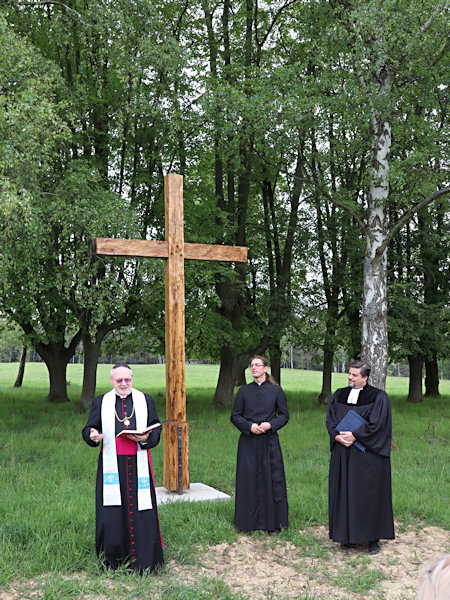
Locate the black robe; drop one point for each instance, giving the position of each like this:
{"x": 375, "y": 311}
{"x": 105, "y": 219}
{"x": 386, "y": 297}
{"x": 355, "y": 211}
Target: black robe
{"x": 261, "y": 497}
{"x": 359, "y": 492}
{"x": 123, "y": 534}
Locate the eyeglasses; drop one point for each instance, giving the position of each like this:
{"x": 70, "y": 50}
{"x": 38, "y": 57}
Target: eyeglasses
{"x": 257, "y": 365}
{"x": 119, "y": 381}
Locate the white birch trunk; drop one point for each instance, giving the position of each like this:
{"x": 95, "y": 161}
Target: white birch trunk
{"x": 374, "y": 343}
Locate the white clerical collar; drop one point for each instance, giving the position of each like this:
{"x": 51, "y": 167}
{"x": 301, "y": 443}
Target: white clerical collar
{"x": 353, "y": 396}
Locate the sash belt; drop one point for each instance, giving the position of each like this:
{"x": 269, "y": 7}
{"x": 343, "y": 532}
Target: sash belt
{"x": 124, "y": 446}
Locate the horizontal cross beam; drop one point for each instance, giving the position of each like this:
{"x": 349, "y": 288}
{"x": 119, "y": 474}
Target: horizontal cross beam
{"x": 155, "y": 249}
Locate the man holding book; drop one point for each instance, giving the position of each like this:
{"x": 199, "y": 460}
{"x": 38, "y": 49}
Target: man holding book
{"x": 359, "y": 496}
{"x": 125, "y": 423}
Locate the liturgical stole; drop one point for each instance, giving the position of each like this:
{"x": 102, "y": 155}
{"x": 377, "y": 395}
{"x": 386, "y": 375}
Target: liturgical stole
{"x": 111, "y": 485}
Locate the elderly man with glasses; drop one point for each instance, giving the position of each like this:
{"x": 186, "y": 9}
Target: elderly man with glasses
{"x": 124, "y": 421}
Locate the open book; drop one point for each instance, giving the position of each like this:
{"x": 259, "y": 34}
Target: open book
{"x": 126, "y": 432}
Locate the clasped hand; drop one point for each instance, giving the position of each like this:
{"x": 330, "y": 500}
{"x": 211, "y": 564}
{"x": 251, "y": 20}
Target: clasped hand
{"x": 257, "y": 429}
{"x": 346, "y": 438}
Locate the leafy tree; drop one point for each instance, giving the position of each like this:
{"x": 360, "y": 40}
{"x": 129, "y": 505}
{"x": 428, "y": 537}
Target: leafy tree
{"x": 118, "y": 125}
{"x": 418, "y": 292}
{"x": 384, "y": 41}
{"x": 273, "y": 111}
{"x": 372, "y": 61}
{"x": 241, "y": 108}
{"x": 31, "y": 130}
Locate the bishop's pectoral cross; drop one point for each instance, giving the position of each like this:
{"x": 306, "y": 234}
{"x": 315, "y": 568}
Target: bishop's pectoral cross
{"x": 174, "y": 251}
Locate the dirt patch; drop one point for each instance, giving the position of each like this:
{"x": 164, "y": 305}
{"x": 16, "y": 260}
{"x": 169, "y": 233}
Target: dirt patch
{"x": 262, "y": 569}
{"x": 270, "y": 569}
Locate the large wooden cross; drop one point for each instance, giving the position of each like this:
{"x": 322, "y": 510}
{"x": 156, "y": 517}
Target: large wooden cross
{"x": 174, "y": 250}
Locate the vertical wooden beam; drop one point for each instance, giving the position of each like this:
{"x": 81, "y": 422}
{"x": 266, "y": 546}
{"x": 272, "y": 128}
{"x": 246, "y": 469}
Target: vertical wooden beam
{"x": 175, "y": 340}
{"x": 174, "y": 250}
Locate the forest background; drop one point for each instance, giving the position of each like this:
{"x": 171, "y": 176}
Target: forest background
{"x": 313, "y": 132}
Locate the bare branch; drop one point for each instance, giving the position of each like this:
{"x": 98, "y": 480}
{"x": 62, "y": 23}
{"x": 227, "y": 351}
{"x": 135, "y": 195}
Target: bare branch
{"x": 325, "y": 192}
{"x": 427, "y": 26}
{"x": 342, "y": 205}
{"x": 286, "y": 5}
{"x": 407, "y": 216}
{"x": 438, "y": 56}
{"x": 430, "y": 21}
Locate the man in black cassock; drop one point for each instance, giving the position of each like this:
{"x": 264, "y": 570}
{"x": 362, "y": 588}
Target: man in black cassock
{"x": 260, "y": 410}
{"x": 127, "y": 524}
{"x": 359, "y": 495}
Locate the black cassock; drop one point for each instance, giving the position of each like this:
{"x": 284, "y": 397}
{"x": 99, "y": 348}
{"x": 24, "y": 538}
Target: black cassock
{"x": 123, "y": 534}
{"x": 261, "y": 497}
{"x": 359, "y": 493}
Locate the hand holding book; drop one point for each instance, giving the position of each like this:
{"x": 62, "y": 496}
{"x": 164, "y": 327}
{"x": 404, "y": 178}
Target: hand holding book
{"x": 133, "y": 432}
{"x": 351, "y": 422}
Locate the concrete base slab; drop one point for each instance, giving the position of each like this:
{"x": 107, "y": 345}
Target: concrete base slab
{"x": 197, "y": 492}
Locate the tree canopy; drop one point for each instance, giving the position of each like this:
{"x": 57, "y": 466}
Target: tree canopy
{"x": 312, "y": 132}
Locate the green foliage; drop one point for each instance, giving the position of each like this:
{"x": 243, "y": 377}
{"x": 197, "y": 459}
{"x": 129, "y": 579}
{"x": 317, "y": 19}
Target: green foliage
{"x": 10, "y": 342}
{"x": 31, "y": 128}
{"x": 255, "y": 106}
{"x": 58, "y": 201}
{"x": 418, "y": 312}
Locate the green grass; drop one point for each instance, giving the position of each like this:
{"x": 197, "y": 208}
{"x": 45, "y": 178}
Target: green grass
{"x": 47, "y": 476}
{"x": 356, "y": 577}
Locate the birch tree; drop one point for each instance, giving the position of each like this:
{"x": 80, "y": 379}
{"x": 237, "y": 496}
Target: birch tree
{"x": 383, "y": 41}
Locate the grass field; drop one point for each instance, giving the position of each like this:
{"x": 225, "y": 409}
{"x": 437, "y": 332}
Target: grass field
{"x": 47, "y": 472}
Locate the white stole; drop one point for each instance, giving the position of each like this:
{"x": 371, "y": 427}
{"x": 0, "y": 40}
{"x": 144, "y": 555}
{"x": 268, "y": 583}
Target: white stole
{"x": 111, "y": 485}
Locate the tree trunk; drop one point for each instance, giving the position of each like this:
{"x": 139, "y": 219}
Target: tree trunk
{"x": 325, "y": 394}
{"x": 354, "y": 318}
{"x": 224, "y": 394}
{"x": 21, "y": 371}
{"x": 91, "y": 354}
{"x": 240, "y": 378}
{"x": 232, "y": 365}
{"x": 432, "y": 377}
{"x": 374, "y": 342}
{"x": 435, "y": 288}
{"x": 415, "y": 378}
{"x": 280, "y": 256}
{"x": 275, "y": 362}
{"x": 57, "y": 371}
{"x": 56, "y": 356}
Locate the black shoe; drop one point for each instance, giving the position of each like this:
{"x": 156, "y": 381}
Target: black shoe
{"x": 274, "y": 531}
{"x": 374, "y": 547}
{"x": 347, "y": 546}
